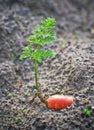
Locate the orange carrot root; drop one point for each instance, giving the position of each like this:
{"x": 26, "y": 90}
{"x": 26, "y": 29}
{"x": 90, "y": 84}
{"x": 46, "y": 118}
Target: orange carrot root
{"x": 58, "y": 102}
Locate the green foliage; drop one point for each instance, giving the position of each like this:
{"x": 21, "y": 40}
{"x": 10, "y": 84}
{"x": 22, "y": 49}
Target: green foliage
{"x": 10, "y": 94}
{"x": 12, "y": 55}
{"x": 24, "y": 110}
{"x": 18, "y": 118}
{"x": 27, "y": 51}
{"x": 44, "y": 34}
{"x": 39, "y": 55}
{"x": 87, "y": 112}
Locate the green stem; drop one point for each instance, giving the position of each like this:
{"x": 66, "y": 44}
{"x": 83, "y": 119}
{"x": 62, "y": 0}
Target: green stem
{"x": 39, "y": 93}
{"x": 36, "y": 74}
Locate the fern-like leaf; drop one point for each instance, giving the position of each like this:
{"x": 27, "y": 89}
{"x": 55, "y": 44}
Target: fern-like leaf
{"x": 39, "y": 55}
{"x": 26, "y": 52}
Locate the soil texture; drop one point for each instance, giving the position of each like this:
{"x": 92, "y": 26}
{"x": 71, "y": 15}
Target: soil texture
{"x": 71, "y": 72}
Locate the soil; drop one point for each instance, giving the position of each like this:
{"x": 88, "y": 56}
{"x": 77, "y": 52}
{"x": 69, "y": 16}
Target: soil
{"x": 71, "y": 72}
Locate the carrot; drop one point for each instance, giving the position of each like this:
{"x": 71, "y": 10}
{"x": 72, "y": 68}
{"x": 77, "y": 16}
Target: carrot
{"x": 58, "y": 102}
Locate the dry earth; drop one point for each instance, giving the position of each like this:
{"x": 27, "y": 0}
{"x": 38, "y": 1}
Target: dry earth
{"x": 71, "y": 72}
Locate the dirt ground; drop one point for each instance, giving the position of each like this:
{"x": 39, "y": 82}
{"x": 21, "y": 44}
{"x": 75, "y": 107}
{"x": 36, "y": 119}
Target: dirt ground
{"x": 71, "y": 72}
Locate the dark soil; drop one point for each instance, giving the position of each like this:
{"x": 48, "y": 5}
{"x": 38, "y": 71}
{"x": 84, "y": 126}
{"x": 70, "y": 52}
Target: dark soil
{"x": 71, "y": 72}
